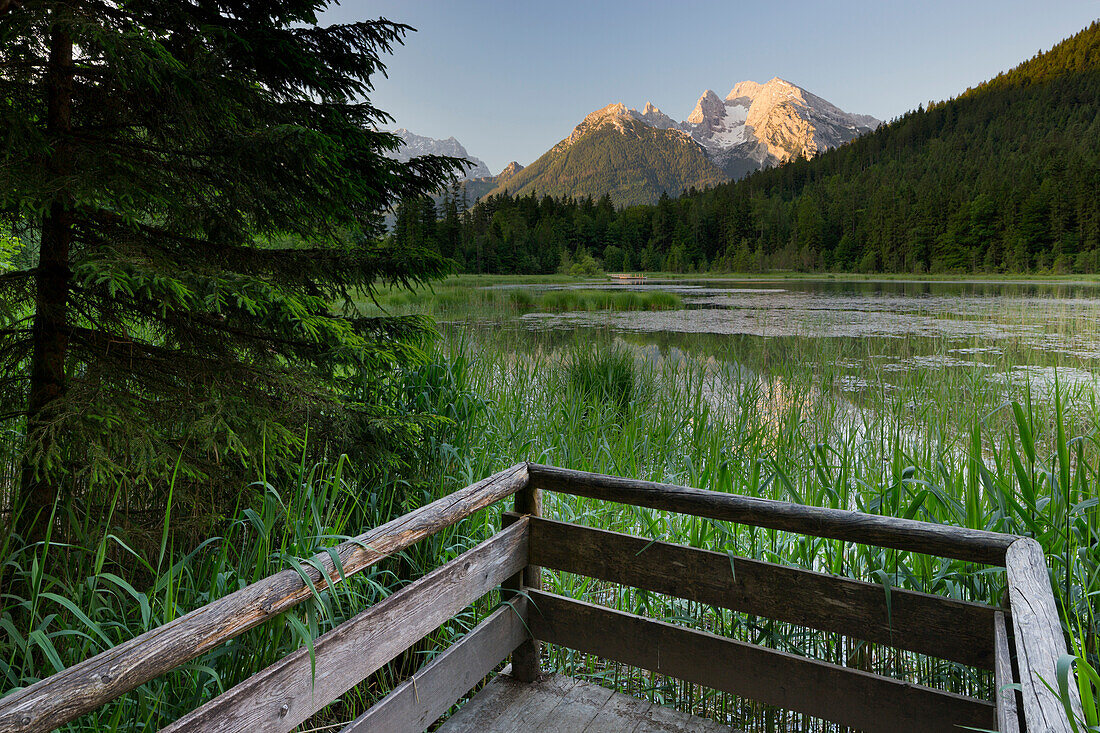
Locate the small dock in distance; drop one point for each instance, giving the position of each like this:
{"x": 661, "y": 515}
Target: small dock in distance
{"x": 634, "y": 278}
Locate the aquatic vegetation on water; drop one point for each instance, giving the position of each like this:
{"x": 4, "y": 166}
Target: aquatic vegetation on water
{"x": 450, "y": 301}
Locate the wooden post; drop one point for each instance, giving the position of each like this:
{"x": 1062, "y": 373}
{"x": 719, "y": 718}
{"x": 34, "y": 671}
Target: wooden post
{"x": 1039, "y": 639}
{"x": 525, "y": 659}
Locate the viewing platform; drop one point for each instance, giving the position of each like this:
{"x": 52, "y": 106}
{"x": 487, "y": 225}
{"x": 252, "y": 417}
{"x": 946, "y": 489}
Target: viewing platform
{"x": 1018, "y": 644}
{"x": 560, "y": 703}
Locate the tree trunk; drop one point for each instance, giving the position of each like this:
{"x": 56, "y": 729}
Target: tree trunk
{"x": 50, "y": 330}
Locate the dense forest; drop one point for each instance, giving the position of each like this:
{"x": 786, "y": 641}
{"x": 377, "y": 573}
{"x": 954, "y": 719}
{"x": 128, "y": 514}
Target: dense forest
{"x": 1003, "y": 178}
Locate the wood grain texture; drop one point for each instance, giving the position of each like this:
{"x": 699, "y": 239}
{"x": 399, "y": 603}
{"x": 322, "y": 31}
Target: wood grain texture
{"x": 846, "y": 696}
{"x": 506, "y": 705}
{"x": 526, "y": 658}
{"x": 871, "y": 529}
{"x": 1039, "y": 640}
{"x": 574, "y": 713}
{"x": 67, "y": 695}
{"x": 563, "y": 704}
{"x": 418, "y": 702}
{"x": 1008, "y": 720}
{"x": 287, "y": 693}
{"x": 948, "y": 629}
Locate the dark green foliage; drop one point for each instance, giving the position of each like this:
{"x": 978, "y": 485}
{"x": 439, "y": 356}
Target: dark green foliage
{"x": 1078, "y": 54}
{"x": 196, "y": 186}
{"x": 634, "y": 165}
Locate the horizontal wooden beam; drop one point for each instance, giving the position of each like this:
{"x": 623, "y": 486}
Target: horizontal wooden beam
{"x": 288, "y": 692}
{"x": 56, "y": 700}
{"x": 972, "y": 545}
{"x": 417, "y": 702}
{"x": 1040, "y": 643}
{"x": 846, "y": 696}
{"x": 955, "y": 630}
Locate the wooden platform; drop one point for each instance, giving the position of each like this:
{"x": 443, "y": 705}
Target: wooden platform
{"x": 560, "y": 704}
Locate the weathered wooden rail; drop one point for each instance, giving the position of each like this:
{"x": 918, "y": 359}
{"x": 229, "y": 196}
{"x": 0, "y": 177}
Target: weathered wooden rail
{"x": 1021, "y": 643}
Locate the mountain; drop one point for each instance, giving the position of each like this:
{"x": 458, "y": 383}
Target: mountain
{"x": 1004, "y": 178}
{"x": 477, "y": 188}
{"x": 627, "y": 154}
{"x": 509, "y": 170}
{"x": 614, "y": 151}
{"x": 761, "y": 125}
{"x": 414, "y": 145}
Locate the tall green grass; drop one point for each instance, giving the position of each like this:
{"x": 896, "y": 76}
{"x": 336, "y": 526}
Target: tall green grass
{"x": 772, "y": 418}
{"x": 938, "y": 445}
{"x": 459, "y": 300}
{"x": 67, "y": 601}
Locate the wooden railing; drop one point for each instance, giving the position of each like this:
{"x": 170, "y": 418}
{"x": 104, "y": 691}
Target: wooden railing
{"x": 1021, "y": 644}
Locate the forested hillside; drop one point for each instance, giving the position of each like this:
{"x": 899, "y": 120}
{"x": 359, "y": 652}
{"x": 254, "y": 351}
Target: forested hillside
{"x": 612, "y": 153}
{"x": 1003, "y": 178}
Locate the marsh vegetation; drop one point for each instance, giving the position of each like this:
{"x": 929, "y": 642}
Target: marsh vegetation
{"x": 983, "y": 414}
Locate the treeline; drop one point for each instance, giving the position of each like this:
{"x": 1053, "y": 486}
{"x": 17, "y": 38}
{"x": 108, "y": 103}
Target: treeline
{"x": 1005, "y": 178}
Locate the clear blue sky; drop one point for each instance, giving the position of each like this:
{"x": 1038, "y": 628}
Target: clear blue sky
{"x": 510, "y": 79}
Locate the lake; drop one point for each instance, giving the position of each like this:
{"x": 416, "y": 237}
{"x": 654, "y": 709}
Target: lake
{"x": 1009, "y": 333}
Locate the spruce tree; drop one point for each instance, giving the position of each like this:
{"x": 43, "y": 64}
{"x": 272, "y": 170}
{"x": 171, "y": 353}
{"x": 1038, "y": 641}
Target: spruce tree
{"x": 198, "y": 189}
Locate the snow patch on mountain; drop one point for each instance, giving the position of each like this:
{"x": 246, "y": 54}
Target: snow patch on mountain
{"x": 770, "y": 123}
{"x": 755, "y": 126}
{"x": 414, "y": 145}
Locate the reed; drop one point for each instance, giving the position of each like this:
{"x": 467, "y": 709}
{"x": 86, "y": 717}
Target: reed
{"x": 780, "y": 420}
{"x": 934, "y": 444}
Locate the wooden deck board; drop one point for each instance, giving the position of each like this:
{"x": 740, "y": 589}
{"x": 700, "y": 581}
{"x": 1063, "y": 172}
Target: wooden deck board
{"x": 565, "y": 705}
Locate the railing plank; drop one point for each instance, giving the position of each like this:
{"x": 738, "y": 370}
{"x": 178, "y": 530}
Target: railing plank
{"x": 417, "y": 702}
{"x": 954, "y": 630}
{"x": 82, "y": 688}
{"x": 846, "y": 696}
{"x": 1008, "y": 720}
{"x": 871, "y": 529}
{"x": 287, "y": 693}
{"x": 1039, "y": 639}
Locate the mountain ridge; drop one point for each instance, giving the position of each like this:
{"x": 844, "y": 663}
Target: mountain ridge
{"x": 413, "y": 145}
{"x": 1003, "y": 178}
{"x": 615, "y": 153}
{"x": 755, "y": 126}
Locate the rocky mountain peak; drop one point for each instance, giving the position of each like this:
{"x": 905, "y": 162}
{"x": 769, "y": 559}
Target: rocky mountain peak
{"x": 610, "y": 112}
{"x": 708, "y": 107}
{"x": 791, "y": 122}
{"x": 654, "y": 117}
{"x": 413, "y": 145}
{"x": 613, "y": 114}
{"x": 509, "y": 170}
{"x": 744, "y": 90}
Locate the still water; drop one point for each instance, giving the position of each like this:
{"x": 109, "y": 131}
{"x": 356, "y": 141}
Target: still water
{"x": 1012, "y": 332}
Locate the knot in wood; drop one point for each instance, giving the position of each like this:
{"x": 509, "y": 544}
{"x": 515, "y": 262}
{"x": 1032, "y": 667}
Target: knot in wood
{"x": 283, "y": 710}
